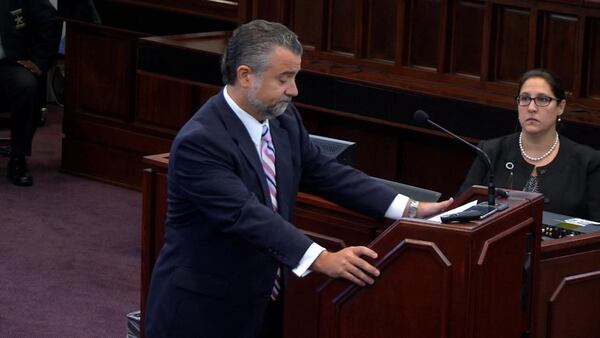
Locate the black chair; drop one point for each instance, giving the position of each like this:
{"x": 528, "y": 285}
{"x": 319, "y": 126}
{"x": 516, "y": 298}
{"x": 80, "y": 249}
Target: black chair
{"x": 416, "y": 193}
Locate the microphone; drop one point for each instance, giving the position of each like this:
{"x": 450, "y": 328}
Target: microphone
{"x": 422, "y": 117}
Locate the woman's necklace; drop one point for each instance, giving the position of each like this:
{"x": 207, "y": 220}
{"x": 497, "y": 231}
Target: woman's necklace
{"x": 539, "y": 158}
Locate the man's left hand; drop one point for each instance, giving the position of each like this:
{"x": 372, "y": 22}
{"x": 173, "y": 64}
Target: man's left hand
{"x": 427, "y": 209}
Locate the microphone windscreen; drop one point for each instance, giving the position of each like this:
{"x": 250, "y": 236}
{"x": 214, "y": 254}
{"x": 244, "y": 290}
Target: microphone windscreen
{"x": 421, "y": 116}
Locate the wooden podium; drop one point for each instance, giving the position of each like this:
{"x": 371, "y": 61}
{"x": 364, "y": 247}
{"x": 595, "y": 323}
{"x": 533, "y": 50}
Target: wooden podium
{"x": 437, "y": 280}
{"x": 476, "y": 279}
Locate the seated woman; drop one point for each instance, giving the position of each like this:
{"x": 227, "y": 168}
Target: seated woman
{"x": 538, "y": 159}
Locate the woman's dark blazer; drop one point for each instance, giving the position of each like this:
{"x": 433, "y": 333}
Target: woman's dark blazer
{"x": 570, "y": 183}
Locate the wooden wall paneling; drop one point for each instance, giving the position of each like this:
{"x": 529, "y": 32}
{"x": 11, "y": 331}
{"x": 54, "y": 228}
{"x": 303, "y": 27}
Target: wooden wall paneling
{"x": 222, "y": 10}
{"x": 202, "y": 92}
{"x": 510, "y": 43}
{"x": 592, "y": 58}
{"x": 592, "y": 3}
{"x": 361, "y": 19}
{"x": 122, "y": 137}
{"x": 104, "y": 70}
{"x": 558, "y": 46}
{"x": 343, "y": 27}
{"x": 381, "y": 34}
{"x": 402, "y": 29}
{"x": 566, "y": 2}
{"x": 286, "y": 12}
{"x": 307, "y": 19}
{"x": 271, "y": 10}
{"x": 486, "y": 45}
{"x": 444, "y": 36}
{"x": 174, "y": 17}
{"x": 467, "y": 38}
{"x": 376, "y": 146}
{"x": 71, "y": 53}
{"x": 511, "y": 46}
{"x": 162, "y": 102}
{"x": 534, "y": 29}
{"x": 244, "y": 11}
{"x": 580, "y": 54}
{"x": 418, "y": 157}
{"x": 423, "y": 22}
{"x": 311, "y": 118}
{"x": 423, "y": 162}
{"x": 109, "y": 164}
{"x": 347, "y": 53}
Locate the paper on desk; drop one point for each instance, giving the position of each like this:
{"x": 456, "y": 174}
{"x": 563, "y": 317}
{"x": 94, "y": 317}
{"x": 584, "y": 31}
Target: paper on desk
{"x": 463, "y": 207}
{"x": 580, "y": 222}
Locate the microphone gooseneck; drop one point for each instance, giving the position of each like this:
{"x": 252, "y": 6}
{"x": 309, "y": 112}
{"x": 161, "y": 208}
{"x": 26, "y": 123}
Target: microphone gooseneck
{"x": 422, "y": 117}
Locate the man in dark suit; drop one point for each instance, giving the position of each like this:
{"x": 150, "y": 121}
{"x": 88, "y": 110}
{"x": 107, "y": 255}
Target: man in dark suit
{"x": 29, "y": 38}
{"x": 234, "y": 171}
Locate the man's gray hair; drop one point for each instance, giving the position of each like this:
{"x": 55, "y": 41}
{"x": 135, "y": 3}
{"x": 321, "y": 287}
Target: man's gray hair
{"x": 252, "y": 43}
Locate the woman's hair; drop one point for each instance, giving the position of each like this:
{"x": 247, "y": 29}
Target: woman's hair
{"x": 551, "y": 78}
{"x": 252, "y": 43}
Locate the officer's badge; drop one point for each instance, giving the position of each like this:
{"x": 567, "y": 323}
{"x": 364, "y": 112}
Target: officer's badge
{"x": 17, "y": 18}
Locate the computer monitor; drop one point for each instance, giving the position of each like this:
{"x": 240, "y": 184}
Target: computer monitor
{"x": 343, "y": 151}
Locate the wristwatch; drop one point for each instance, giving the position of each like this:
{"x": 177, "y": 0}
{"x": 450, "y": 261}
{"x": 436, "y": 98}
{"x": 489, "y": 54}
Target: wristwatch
{"x": 412, "y": 208}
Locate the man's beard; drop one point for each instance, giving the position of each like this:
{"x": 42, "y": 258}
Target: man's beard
{"x": 267, "y": 111}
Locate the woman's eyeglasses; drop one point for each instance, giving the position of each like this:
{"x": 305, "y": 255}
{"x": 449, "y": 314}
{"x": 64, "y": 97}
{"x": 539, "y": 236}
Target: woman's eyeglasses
{"x": 540, "y": 101}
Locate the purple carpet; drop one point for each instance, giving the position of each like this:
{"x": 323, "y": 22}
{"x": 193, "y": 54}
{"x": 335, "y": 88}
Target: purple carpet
{"x": 69, "y": 249}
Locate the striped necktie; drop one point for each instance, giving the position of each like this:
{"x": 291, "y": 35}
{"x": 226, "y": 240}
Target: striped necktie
{"x": 267, "y": 156}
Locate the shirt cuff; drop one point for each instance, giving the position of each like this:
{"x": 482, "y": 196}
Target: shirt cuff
{"x": 396, "y": 209}
{"x": 311, "y": 254}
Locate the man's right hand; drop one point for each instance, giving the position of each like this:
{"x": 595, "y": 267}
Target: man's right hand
{"x": 347, "y": 263}
{"x": 32, "y": 67}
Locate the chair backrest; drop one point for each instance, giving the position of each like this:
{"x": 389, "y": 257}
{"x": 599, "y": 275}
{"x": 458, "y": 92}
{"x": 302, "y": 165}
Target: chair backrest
{"x": 416, "y": 193}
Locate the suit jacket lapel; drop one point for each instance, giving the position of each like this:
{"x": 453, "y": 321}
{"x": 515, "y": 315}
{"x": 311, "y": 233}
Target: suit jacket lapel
{"x": 283, "y": 166}
{"x": 240, "y": 135}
